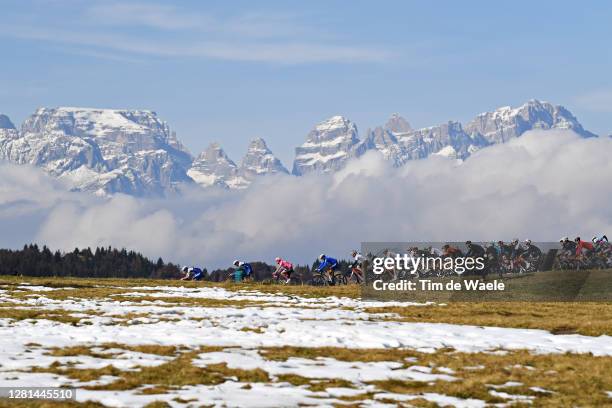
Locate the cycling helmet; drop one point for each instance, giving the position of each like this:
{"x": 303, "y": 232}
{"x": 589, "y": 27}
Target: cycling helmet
{"x": 528, "y": 241}
{"x": 577, "y": 239}
{"x": 185, "y": 269}
{"x": 468, "y": 243}
{"x": 321, "y": 257}
{"x": 277, "y": 259}
{"x": 353, "y": 252}
{"x": 236, "y": 262}
{"x": 595, "y": 239}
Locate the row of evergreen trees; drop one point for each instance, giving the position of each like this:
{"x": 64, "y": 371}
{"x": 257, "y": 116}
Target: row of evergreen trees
{"x": 99, "y": 263}
{"x": 107, "y": 262}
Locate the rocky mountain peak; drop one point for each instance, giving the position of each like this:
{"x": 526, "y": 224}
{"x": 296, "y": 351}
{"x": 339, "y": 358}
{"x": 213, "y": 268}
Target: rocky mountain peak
{"x": 101, "y": 150}
{"x": 214, "y": 168}
{"x": 397, "y": 124}
{"x": 506, "y": 123}
{"x": 259, "y": 160}
{"x": 328, "y": 146}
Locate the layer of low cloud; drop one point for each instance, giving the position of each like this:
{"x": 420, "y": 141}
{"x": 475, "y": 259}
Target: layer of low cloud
{"x": 543, "y": 185}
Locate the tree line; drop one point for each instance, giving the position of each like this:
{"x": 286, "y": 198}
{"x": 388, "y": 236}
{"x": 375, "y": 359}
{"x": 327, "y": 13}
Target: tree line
{"x": 102, "y": 262}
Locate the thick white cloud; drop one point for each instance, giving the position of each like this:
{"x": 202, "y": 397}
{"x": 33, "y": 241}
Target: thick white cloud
{"x": 543, "y": 185}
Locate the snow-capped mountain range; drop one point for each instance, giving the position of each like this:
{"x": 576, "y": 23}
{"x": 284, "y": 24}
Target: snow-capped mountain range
{"x": 110, "y": 151}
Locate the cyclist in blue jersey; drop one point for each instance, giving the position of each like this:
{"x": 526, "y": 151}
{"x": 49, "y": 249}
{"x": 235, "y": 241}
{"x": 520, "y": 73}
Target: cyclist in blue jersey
{"x": 329, "y": 265}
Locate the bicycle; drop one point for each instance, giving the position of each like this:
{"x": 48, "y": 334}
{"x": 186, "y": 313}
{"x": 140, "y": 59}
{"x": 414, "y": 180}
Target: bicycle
{"x": 319, "y": 279}
{"x": 325, "y": 278}
{"x": 279, "y": 279}
{"x": 356, "y": 275}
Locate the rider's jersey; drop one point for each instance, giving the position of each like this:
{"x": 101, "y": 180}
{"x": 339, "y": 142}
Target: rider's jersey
{"x": 436, "y": 252}
{"x": 358, "y": 257}
{"x": 197, "y": 273}
{"x": 569, "y": 246}
{"x": 327, "y": 262}
{"x": 505, "y": 249}
{"x": 583, "y": 245}
{"x": 452, "y": 252}
{"x": 518, "y": 249}
{"x": 246, "y": 268}
{"x": 492, "y": 252}
{"x": 600, "y": 240}
{"x": 475, "y": 251}
{"x": 357, "y": 260}
{"x": 282, "y": 264}
{"x": 533, "y": 251}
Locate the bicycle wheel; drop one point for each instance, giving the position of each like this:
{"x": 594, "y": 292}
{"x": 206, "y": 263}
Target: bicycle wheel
{"x": 354, "y": 278}
{"x": 340, "y": 279}
{"x": 318, "y": 280}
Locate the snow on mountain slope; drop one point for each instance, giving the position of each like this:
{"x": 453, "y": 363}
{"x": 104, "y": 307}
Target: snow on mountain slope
{"x": 110, "y": 151}
{"x": 101, "y": 150}
{"x": 214, "y": 167}
{"x": 398, "y": 142}
{"x": 421, "y": 143}
{"x": 259, "y": 160}
{"x": 385, "y": 141}
{"x": 506, "y": 123}
{"x": 7, "y": 133}
{"x": 328, "y": 146}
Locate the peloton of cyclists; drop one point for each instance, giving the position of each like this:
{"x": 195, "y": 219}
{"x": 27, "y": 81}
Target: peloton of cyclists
{"x": 499, "y": 256}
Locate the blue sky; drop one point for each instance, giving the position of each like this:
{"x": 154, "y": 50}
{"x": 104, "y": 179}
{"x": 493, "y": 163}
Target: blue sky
{"x": 230, "y": 71}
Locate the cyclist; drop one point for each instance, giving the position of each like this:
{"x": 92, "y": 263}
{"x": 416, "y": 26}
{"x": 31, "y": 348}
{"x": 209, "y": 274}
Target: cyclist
{"x": 192, "y": 273}
{"x": 474, "y": 250}
{"x": 450, "y": 251}
{"x": 601, "y": 244}
{"x": 198, "y": 274}
{"x": 186, "y": 273}
{"x": 284, "y": 268}
{"x": 531, "y": 250}
{"x": 492, "y": 255}
{"x": 331, "y": 264}
{"x": 517, "y": 248}
{"x": 504, "y": 249}
{"x": 583, "y": 247}
{"x": 435, "y": 252}
{"x": 600, "y": 240}
{"x": 569, "y": 247}
{"x": 243, "y": 270}
{"x": 357, "y": 265}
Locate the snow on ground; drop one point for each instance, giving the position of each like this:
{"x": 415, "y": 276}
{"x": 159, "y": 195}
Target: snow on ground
{"x": 265, "y": 320}
{"x": 320, "y": 367}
